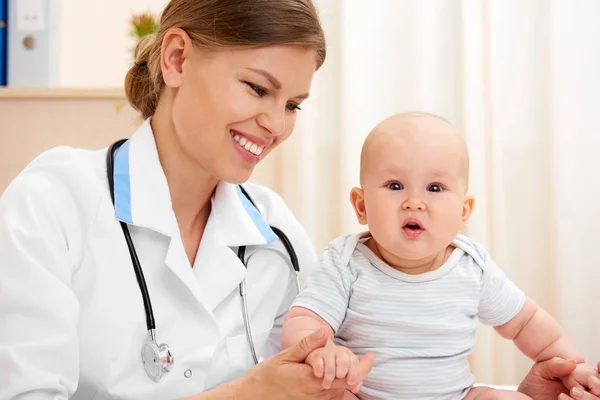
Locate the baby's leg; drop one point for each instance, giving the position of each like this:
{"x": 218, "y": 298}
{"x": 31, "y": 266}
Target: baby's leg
{"x": 487, "y": 393}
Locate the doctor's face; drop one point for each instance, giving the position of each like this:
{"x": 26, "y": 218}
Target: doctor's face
{"x": 234, "y": 106}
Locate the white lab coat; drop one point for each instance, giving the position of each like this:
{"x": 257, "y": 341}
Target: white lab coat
{"x": 72, "y": 320}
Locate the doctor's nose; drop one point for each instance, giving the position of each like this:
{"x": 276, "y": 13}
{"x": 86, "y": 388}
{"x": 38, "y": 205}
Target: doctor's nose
{"x": 413, "y": 204}
{"x": 273, "y": 121}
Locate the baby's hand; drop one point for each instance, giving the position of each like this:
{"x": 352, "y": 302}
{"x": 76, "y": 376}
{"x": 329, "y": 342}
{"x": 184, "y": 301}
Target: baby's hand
{"x": 584, "y": 377}
{"x": 332, "y": 362}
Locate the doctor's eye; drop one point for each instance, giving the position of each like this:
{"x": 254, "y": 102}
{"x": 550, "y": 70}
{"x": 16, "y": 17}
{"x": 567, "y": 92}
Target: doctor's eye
{"x": 434, "y": 187}
{"x": 257, "y": 89}
{"x": 394, "y": 186}
{"x": 293, "y": 107}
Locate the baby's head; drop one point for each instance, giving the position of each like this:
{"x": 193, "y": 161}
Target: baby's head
{"x": 414, "y": 173}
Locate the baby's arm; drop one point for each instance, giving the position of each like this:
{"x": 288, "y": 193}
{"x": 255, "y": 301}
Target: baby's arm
{"x": 301, "y": 322}
{"x": 538, "y": 335}
{"x": 327, "y": 292}
{"x": 541, "y": 338}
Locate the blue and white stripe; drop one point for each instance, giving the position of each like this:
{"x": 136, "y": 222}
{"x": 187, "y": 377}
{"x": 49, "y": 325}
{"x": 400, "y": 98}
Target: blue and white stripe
{"x": 420, "y": 327}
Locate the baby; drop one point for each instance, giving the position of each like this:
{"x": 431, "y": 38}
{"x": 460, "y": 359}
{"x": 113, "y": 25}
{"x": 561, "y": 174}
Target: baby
{"x": 411, "y": 290}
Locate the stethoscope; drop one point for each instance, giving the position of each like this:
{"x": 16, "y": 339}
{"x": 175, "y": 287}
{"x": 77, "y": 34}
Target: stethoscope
{"x": 158, "y": 358}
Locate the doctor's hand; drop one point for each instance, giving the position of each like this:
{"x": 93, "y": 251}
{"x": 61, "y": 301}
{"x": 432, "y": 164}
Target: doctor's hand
{"x": 584, "y": 377}
{"x": 333, "y": 361}
{"x": 544, "y": 381}
{"x": 286, "y": 376}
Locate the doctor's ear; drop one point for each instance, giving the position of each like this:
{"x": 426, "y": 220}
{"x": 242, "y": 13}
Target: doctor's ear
{"x": 176, "y": 48}
{"x": 357, "y": 199}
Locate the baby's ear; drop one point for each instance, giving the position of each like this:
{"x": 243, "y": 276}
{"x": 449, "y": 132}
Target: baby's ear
{"x": 468, "y": 206}
{"x": 357, "y": 199}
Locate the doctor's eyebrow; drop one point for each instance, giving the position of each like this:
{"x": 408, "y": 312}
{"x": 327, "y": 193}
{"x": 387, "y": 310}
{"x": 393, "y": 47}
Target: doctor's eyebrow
{"x": 274, "y": 81}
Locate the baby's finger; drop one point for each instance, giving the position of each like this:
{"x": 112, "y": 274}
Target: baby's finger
{"x": 594, "y": 385}
{"x": 342, "y": 364}
{"x": 317, "y": 364}
{"x": 329, "y": 370}
{"x": 353, "y": 371}
{"x": 356, "y": 388}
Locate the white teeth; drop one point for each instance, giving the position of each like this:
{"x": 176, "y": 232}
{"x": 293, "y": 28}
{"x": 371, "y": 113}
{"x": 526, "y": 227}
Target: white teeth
{"x": 248, "y": 145}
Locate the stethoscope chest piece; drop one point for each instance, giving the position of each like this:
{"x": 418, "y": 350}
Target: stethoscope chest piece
{"x": 157, "y": 359}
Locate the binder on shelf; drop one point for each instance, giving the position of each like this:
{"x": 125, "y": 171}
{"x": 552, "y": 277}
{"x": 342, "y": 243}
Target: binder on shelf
{"x": 33, "y": 43}
{"x": 3, "y": 41}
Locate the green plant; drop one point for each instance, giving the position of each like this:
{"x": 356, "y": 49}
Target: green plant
{"x": 142, "y": 24}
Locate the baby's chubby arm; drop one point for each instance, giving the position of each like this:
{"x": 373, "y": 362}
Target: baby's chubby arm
{"x": 541, "y": 338}
{"x": 300, "y": 322}
{"x": 538, "y": 335}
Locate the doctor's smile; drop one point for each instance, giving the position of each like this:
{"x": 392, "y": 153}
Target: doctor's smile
{"x": 249, "y": 146}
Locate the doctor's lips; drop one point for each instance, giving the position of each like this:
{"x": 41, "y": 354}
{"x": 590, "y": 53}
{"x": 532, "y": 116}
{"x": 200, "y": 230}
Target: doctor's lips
{"x": 250, "y": 143}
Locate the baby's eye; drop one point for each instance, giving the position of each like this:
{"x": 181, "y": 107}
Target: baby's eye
{"x": 434, "y": 188}
{"x": 395, "y": 186}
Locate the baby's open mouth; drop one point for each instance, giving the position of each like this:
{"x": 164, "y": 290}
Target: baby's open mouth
{"x": 413, "y": 227}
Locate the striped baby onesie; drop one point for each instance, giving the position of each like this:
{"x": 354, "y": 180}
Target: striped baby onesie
{"x": 420, "y": 327}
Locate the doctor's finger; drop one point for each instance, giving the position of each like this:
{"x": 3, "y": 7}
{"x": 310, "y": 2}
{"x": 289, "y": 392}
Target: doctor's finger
{"x": 304, "y": 347}
{"x": 577, "y": 394}
{"x": 365, "y": 364}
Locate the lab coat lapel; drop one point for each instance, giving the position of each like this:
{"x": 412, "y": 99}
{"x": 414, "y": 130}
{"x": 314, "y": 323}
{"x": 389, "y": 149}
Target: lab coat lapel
{"x": 142, "y": 196}
{"x": 179, "y": 264}
{"x": 231, "y": 224}
{"x": 142, "y": 199}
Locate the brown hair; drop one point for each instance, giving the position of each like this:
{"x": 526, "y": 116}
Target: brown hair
{"x": 221, "y": 24}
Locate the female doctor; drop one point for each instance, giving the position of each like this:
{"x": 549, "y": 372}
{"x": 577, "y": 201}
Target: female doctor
{"x": 219, "y": 86}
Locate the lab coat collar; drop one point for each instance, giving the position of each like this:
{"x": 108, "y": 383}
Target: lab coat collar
{"x": 240, "y": 223}
{"x": 233, "y": 222}
{"x": 142, "y": 196}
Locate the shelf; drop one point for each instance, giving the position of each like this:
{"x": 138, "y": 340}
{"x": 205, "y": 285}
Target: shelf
{"x": 9, "y": 93}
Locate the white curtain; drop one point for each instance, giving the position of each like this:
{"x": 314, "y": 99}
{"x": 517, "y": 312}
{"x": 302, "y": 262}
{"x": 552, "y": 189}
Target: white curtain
{"x": 521, "y": 78}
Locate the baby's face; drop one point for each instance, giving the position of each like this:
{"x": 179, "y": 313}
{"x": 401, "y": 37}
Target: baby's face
{"x": 414, "y": 189}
